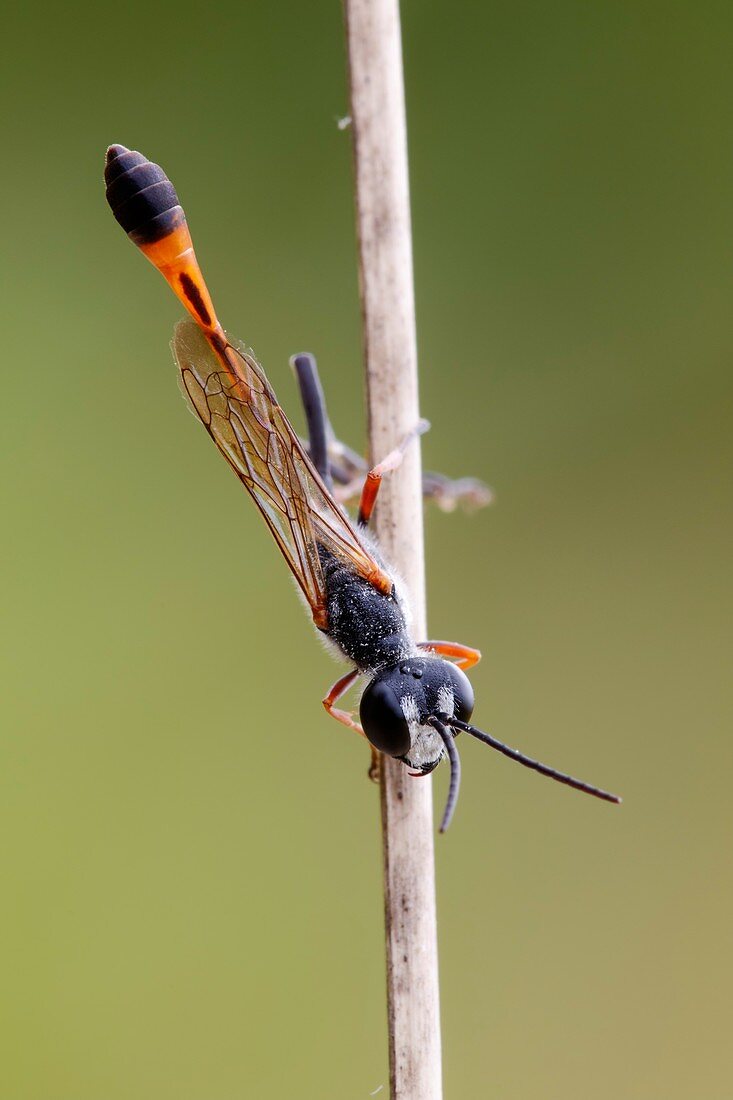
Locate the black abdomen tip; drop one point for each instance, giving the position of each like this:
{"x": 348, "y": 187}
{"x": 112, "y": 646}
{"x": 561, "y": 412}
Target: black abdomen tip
{"x": 141, "y": 196}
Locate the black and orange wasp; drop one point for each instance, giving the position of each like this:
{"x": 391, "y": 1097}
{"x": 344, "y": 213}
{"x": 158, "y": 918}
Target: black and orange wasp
{"x": 418, "y": 696}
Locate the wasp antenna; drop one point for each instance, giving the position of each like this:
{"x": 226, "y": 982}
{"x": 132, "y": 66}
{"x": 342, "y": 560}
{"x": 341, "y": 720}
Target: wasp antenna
{"x": 528, "y": 762}
{"x": 455, "y": 772}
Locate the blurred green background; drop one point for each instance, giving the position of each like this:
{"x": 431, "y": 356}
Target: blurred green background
{"x": 191, "y": 898}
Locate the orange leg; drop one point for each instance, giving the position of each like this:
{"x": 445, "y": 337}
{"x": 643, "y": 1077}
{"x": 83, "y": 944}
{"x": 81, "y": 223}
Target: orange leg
{"x": 373, "y": 480}
{"x": 346, "y": 718}
{"x": 339, "y": 688}
{"x": 464, "y": 656}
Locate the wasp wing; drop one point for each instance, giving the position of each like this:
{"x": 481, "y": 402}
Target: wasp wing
{"x": 227, "y": 390}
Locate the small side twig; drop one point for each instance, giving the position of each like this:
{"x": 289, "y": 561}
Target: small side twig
{"x": 386, "y": 281}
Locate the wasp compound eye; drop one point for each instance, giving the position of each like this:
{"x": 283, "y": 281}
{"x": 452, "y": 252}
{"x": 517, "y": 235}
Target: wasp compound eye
{"x": 384, "y": 723}
{"x": 462, "y": 693}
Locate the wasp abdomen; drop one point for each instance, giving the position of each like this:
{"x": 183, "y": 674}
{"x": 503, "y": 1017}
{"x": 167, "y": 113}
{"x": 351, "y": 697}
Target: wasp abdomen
{"x": 141, "y": 197}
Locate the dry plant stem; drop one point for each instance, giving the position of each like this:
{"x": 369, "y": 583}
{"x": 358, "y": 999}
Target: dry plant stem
{"x": 385, "y": 253}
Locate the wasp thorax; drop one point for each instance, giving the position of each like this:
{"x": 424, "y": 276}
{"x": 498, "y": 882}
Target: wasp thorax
{"x": 398, "y": 703}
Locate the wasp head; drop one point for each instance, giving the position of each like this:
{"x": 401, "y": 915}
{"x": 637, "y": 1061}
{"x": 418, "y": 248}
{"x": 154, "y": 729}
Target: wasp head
{"x": 414, "y": 709}
{"x": 401, "y": 703}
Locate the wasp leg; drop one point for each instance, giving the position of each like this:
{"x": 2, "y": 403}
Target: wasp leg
{"x": 387, "y": 465}
{"x": 343, "y": 470}
{"x": 320, "y": 431}
{"x": 339, "y": 688}
{"x": 347, "y": 719}
{"x": 449, "y": 493}
{"x": 464, "y": 655}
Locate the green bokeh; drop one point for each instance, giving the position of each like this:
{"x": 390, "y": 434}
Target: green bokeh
{"x": 191, "y": 905}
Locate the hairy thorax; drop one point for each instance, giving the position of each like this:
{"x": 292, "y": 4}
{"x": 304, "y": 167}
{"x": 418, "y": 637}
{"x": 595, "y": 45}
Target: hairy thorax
{"x": 367, "y": 626}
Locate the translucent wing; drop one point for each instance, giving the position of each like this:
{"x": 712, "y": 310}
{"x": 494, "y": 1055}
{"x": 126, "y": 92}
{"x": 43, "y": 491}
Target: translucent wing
{"x": 229, "y": 393}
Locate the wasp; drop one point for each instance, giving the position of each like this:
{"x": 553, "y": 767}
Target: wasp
{"x": 418, "y": 697}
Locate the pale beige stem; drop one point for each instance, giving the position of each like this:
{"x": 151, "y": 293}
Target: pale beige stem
{"x": 388, "y": 308}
